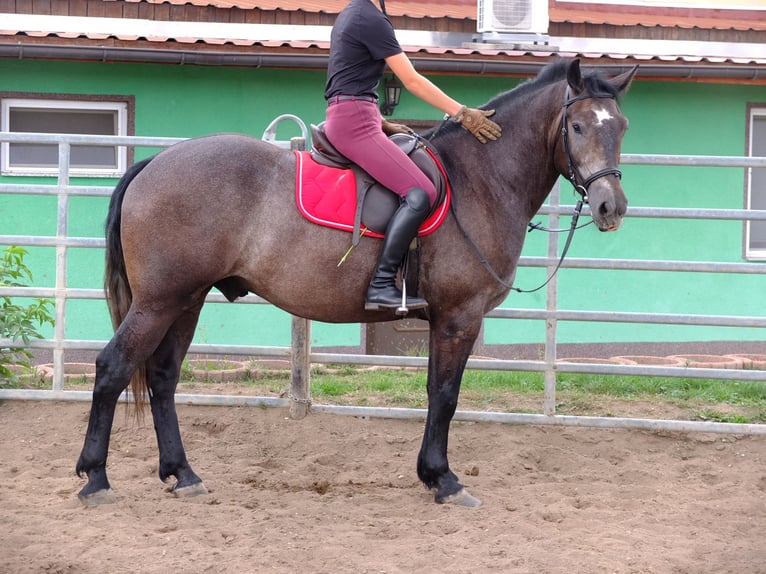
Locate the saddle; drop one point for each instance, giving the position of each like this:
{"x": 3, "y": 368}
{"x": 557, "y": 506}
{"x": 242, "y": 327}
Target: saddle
{"x": 356, "y": 201}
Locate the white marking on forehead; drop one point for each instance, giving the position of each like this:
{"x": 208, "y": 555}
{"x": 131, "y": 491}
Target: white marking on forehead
{"x": 602, "y": 115}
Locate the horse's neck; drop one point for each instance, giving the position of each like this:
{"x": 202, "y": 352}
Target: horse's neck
{"x": 514, "y": 174}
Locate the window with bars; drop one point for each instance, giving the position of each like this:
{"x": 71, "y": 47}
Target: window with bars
{"x": 64, "y": 116}
{"x": 755, "y": 184}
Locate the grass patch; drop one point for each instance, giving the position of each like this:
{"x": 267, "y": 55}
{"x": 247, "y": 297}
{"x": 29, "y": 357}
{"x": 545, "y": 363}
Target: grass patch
{"x": 511, "y": 391}
{"x": 394, "y": 387}
{"x": 577, "y": 394}
{"x": 668, "y": 388}
{"x": 720, "y": 417}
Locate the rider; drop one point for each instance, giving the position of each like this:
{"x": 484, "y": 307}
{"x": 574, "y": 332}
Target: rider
{"x": 362, "y": 43}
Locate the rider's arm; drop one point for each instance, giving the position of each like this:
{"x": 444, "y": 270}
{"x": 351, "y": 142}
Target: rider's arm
{"x": 475, "y": 121}
{"x": 420, "y": 86}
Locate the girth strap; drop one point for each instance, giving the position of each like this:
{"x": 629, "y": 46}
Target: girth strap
{"x": 363, "y": 186}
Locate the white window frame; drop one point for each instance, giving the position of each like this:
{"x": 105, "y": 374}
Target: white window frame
{"x": 755, "y": 111}
{"x": 121, "y": 107}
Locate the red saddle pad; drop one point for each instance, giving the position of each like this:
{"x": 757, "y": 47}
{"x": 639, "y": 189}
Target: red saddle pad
{"x": 327, "y": 196}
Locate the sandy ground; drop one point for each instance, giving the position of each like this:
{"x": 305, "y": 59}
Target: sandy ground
{"x": 336, "y": 494}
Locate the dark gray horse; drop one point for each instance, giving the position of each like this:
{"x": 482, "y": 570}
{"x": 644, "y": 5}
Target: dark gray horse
{"x": 219, "y": 212}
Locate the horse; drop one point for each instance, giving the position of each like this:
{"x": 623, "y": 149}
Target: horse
{"x": 218, "y": 211}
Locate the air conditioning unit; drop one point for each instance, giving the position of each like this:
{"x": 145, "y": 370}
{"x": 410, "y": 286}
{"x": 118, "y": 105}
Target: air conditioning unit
{"x": 526, "y": 16}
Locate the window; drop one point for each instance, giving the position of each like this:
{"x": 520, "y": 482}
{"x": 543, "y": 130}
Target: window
{"x": 755, "y": 183}
{"x": 64, "y": 116}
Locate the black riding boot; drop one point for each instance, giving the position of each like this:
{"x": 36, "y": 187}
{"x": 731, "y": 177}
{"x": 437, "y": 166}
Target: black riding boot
{"x": 402, "y": 229}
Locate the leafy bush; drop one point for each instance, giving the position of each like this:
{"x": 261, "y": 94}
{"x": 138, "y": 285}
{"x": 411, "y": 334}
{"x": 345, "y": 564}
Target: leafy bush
{"x": 17, "y": 322}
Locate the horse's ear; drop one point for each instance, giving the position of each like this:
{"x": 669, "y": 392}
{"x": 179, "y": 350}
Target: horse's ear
{"x": 574, "y": 77}
{"x": 622, "y": 82}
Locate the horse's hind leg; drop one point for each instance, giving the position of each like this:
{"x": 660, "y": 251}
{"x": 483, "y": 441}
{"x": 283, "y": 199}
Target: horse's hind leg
{"x": 165, "y": 369}
{"x": 132, "y": 344}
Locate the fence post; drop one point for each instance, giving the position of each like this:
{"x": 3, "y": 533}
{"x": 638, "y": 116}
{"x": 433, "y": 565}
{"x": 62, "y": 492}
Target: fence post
{"x": 300, "y": 385}
{"x": 551, "y": 304}
{"x": 62, "y": 233}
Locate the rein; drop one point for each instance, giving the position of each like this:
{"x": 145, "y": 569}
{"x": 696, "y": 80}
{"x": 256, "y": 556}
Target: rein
{"x": 486, "y": 264}
{"x": 580, "y": 188}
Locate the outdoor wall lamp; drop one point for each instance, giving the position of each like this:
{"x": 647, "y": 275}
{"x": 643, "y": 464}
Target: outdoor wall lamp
{"x": 392, "y": 90}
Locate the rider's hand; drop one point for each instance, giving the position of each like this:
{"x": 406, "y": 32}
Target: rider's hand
{"x": 391, "y": 128}
{"x": 478, "y": 123}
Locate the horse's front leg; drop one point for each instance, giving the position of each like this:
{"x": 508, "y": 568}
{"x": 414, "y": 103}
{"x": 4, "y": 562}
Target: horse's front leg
{"x": 449, "y": 346}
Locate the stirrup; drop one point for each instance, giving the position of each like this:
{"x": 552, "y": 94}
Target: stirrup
{"x": 403, "y": 310}
{"x": 412, "y": 304}
{"x": 402, "y": 307}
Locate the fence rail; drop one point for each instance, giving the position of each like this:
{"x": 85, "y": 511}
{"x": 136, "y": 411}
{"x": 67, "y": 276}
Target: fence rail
{"x": 300, "y": 350}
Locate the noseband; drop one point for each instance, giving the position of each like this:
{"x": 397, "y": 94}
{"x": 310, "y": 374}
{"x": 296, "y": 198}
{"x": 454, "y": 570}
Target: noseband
{"x": 574, "y": 172}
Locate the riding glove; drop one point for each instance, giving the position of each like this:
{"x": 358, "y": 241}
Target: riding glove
{"x": 391, "y": 128}
{"x": 477, "y": 122}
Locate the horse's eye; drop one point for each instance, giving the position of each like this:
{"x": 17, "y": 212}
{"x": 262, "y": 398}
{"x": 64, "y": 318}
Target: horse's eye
{"x": 577, "y": 129}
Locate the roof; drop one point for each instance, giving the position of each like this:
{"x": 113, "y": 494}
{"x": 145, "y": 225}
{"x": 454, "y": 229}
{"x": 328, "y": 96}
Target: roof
{"x": 184, "y": 31}
{"x": 748, "y": 15}
{"x": 419, "y": 9}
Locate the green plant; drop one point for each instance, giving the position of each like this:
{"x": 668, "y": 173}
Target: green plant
{"x": 19, "y": 323}
{"x": 720, "y": 417}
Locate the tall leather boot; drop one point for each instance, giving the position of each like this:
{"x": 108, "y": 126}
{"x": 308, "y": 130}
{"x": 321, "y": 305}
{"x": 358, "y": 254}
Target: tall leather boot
{"x": 402, "y": 229}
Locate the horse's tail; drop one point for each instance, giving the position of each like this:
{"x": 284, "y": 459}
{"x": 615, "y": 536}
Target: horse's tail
{"x": 118, "y": 293}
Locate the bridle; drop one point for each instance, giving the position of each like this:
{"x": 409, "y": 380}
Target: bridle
{"x": 573, "y": 172}
{"x": 580, "y": 185}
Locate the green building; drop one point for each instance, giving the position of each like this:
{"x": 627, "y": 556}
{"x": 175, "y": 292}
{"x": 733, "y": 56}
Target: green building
{"x": 186, "y": 69}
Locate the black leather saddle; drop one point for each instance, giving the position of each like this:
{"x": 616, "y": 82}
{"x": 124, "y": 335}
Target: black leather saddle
{"x": 376, "y": 204}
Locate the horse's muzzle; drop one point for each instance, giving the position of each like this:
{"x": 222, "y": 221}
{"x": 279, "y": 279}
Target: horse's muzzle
{"x": 608, "y": 207}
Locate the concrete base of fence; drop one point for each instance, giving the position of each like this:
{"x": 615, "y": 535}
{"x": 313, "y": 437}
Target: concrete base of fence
{"x": 751, "y": 361}
{"x": 710, "y": 361}
{"x": 219, "y": 370}
{"x": 596, "y": 361}
{"x": 651, "y": 360}
{"x": 73, "y": 372}
{"x": 264, "y": 367}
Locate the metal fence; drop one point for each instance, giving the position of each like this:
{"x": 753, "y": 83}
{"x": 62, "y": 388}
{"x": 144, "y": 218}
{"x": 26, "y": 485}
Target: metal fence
{"x": 300, "y": 351}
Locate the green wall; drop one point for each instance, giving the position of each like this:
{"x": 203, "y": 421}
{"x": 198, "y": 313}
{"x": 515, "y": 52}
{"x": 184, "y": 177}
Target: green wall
{"x": 666, "y": 118}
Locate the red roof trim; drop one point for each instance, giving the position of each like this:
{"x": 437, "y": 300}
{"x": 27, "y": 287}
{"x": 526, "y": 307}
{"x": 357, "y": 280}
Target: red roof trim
{"x": 560, "y": 11}
{"x": 634, "y": 15}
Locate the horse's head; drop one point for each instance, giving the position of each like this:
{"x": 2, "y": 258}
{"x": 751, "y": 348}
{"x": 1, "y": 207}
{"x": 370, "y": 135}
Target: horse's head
{"x": 591, "y": 132}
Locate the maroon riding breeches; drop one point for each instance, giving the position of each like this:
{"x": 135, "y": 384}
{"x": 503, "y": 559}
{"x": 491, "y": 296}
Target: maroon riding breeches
{"x": 353, "y": 127}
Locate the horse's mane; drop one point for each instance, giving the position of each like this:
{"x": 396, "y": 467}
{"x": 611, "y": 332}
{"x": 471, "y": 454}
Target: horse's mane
{"x": 595, "y": 82}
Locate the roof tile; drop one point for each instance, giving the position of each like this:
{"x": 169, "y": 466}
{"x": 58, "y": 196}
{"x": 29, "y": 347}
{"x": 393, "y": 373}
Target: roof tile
{"x": 559, "y": 11}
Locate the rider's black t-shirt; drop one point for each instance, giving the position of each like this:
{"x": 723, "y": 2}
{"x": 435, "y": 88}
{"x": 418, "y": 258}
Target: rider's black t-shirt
{"x": 361, "y": 39}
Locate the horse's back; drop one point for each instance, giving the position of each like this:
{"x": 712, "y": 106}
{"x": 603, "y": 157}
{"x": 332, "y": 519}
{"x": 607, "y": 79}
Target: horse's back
{"x": 193, "y": 204}
{"x": 223, "y": 158}
{"x": 219, "y": 173}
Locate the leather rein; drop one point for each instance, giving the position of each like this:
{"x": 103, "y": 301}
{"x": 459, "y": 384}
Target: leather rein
{"x": 580, "y": 185}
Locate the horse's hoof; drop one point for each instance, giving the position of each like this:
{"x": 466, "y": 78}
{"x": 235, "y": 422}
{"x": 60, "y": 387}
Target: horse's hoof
{"x": 196, "y": 489}
{"x": 97, "y": 498}
{"x": 460, "y": 498}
